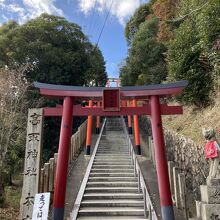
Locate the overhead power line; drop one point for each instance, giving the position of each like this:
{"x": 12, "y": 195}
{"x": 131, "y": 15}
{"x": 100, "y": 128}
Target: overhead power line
{"x": 92, "y": 19}
{"x": 103, "y": 27}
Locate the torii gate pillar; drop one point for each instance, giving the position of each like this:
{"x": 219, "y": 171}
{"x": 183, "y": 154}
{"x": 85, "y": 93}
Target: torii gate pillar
{"x": 63, "y": 157}
{"x": 161, "y": 161}
{"x": 89, "y": 131}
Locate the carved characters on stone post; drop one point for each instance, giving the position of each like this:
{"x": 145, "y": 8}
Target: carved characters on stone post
{"x": 32, "y": 162}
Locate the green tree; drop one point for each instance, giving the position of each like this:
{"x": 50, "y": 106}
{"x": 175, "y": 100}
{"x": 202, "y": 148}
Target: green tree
{"x": 139, "y": 17}
{"x": 145, "y": 63}
{"x": 190, "y": 53}
{"x": 96, "y": 74}
{"x": 59, "y": 52}
{"x": 58, "y": 48}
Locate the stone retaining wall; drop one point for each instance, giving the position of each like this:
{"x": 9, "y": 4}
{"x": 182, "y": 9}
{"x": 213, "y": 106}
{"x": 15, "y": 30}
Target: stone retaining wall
{"x": 186, "y": 154}
{"x": 189, "y": 157}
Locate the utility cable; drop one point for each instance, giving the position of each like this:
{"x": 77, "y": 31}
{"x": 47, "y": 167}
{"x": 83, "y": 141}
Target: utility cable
{"x": 107, "y": 16}
{"x": 92, "y": 19}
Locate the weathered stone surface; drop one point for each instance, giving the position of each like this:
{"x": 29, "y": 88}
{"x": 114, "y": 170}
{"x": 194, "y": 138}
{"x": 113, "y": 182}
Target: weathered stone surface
{"x": 213, "y": 182}
{"x": 170, "y": 171}
{"x": 198, "y": 209}
{"x": 210, "y": 211}
{"x": 189, "y": 157}
{"x": 182, "y": 190}
{"x": 32, "y": 162}
{"x": 176, "y": 186}
{"x": 210, "y": 194}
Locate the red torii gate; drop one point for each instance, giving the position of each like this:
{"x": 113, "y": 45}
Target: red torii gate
{"x": 151, "y": 93}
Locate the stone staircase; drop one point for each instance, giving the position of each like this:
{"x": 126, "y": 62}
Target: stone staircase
{"x": 112, "y": 188}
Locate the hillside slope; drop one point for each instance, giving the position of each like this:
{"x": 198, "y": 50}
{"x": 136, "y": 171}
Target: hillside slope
{"x": 191, "y": 123}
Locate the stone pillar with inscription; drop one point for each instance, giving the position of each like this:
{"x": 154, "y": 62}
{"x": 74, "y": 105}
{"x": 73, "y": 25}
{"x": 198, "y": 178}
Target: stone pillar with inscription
{"x": 32, "y": 162}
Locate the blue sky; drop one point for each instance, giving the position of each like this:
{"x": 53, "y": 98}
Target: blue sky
{"x": 89, "y": 14}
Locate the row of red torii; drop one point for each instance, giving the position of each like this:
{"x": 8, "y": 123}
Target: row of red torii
{"x": 112, "y": 102}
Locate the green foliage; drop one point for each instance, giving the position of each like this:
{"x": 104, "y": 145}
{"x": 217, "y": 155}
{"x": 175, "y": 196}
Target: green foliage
{"x": 96, "y": 75}
{"x": 184, "y": 39}
{"x": 7, "y": 27}
{"x": 58, "y": 48}
{"x": 59, "y": 53}
{"x": 145, "y": 63}
{"x": 191, "y": 48}
{"x": 133, "y": 24}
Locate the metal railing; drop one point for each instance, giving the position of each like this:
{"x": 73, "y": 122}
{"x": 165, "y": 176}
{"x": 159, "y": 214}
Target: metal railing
{"x": 148, "y": 206}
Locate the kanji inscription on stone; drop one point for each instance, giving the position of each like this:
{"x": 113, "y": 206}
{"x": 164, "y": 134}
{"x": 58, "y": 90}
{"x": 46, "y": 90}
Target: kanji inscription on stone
{"x": 32, "y": 162}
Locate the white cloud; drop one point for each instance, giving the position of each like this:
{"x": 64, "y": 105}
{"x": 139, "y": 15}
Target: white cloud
{"x": 30, "y": 9}
{"x": 15, "y": 8}
{"x": 122, "y": 9}
{"x": 37, "y": 7}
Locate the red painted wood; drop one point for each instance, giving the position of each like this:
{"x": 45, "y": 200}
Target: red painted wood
{"x": 160, "y": 154}
{"x": 97, "y": 111}
{"x": 89, "y": 127}
{"x": 98, "y": 117}
{"x": 136, "y": 126}
{"x": 98, "y": 94}
{"x": 111, "y": 100}
{"x": 63, "y": 153}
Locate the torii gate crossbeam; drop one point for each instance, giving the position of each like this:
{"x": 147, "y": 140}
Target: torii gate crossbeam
{"x": 155, "y": 109}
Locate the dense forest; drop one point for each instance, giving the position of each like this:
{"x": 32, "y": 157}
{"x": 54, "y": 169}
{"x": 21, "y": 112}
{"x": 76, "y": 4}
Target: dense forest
{"x": 171, "y": 40}
{"x": 48, "y": 49}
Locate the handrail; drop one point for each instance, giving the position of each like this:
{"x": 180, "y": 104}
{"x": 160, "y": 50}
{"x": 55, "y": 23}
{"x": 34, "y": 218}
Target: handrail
{"x": 148, "y": 205}
{"x": 79, "y": 197}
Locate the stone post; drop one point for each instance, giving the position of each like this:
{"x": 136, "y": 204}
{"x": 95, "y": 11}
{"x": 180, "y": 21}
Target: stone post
{"x": 176, "y": 186}
{"x": 32, "y": 162}
{"x": 210, "y": 200}
{"x": 170, "y": 171}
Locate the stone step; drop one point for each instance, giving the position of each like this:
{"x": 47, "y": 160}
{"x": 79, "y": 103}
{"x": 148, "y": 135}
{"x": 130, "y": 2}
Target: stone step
{"x": 112, "y": 189}
{"x": 111, "y": 166}
{"x": 115, "y": 143}
{"x": 112, "y": 211}
{"x": 112, "y": 184}
{"x": 111, "y": 218}
{"x": 112, "y": 162}
{"x": 112, "y": 170}
{"x": 113, "y": 150}
{"x": 121, "y": 154}
{"x": 112, "y": 155}
{"x": 108, "y": 144}
{"x": 106, "y": 160}
{"x": 137, "y": 196}
{"x": 112, "y": 203}
{"x": 111, "y": 179}
{"x": 102, "y": 174}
